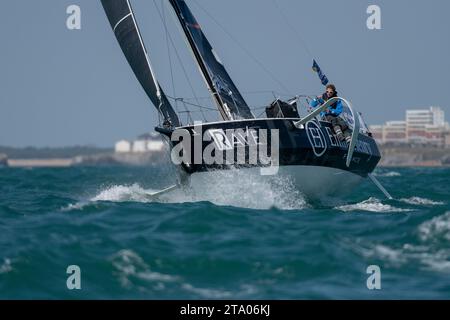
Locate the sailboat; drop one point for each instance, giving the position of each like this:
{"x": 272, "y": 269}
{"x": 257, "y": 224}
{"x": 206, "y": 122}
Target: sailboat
{"x": 304, "y": 149}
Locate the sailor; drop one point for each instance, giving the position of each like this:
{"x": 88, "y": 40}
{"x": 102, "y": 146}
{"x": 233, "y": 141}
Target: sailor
{"x": 332, "y": 113}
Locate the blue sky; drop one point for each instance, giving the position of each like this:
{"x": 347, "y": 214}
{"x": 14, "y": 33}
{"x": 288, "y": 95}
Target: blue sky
{"x": 60, "y": 87}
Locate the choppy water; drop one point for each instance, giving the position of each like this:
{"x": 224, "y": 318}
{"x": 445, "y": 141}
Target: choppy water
{"x": 241, "y": 240}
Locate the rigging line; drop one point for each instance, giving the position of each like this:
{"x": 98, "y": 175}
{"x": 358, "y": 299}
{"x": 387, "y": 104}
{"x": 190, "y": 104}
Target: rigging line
{"x": 180, "y": 62}
{"x": 204, "y": 107}
{"x": 260, "y": 92}
{"x": 192, "y": 104}
{"x": 302, "y": 40}
{"x": 245, "y": 92}
{"x": 266, "y": 91}
{"x": 215, "y": 110}
{"x": 259, "y": 115}
{"x": 311, "y": 96}
{"x": 294, "y": 31}
{"x": 259, "y": 63}
{"x": 168, "y": 49}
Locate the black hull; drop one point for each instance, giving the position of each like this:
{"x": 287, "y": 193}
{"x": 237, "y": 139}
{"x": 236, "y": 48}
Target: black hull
{"x": 314, "y": 145}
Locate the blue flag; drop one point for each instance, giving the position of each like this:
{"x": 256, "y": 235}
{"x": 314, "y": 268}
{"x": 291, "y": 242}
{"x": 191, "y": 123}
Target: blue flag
{"x": 322, "y": 76}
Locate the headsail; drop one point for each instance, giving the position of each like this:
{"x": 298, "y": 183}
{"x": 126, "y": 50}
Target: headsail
{"x": 123, "y": 23}
{"x": 229, "y": 100}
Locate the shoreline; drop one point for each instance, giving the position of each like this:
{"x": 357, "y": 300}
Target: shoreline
{"x": 400, "y": 156}
{"x": 134, "y": 160}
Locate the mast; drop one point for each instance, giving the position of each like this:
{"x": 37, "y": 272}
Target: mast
{"x": 227, "y": 97}
{"x": 123, "y": 22}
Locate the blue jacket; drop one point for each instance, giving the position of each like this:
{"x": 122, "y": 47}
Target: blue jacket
{"x": 334, "y": 110}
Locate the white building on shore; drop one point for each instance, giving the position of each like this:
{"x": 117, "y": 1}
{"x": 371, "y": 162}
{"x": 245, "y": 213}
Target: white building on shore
{"x": 149, "y": 142}
{"x": 123, "y": 146}
{"x": 425, "y": 126}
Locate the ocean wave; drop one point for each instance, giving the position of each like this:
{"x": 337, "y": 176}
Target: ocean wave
{"x": 390, "y": 256}
{"x": 371, "y": 205}
{"x": 130, "y": 266}
{"x": 422, "y": 255}
{"x": 435, "y": 229}
{"x": 207, "y": 293}
{"x": 422, "y": 201}
{"x": 395, "y": 256}
{"x": 427, "y": 253}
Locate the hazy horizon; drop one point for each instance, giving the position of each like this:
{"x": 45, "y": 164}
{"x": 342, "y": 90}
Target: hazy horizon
{"x": 63, "y": 87}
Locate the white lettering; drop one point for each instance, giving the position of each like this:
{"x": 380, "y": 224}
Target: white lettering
{"x": 374, "y": 20}
{"x": 73, "y": 22}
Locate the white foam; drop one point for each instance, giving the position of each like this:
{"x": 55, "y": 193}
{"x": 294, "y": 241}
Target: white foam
{"x": 6, "y": 266}
{"x": 221, "y": 189}
{"x": 115, "y": 193}
{"x": 384, "y": 252}
{"x": 429, "y": 257}
{"x": 387, "y": 174}
{"x": 129, "y": 265}
{"x": 75, "y": 206}
{"x": 207, "y": 293}
{"x": 122, "y": 193}
{"x": 438, "y": 264}
{"x": 371, "y": 205}
{"x": 422, "y": 201}
{"x": 423, "y": 255}
{"x": 431, "y": 253}
{"x": 436, "y": 228}
{"x": 393, "y": 255}
{"x": 249, "y": 190}
{"x": 248, "y": 290}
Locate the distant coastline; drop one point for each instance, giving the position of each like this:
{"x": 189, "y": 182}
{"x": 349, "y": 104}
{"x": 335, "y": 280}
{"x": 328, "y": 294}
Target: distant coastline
{"x": 51, "y": 153}
{"x": 414, "y": 155}
{"x": 393, "y": 155}
{"x": 74, "y": 156}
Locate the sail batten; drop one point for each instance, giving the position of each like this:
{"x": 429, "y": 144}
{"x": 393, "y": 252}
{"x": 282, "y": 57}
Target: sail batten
{"x": 123, "y": 23}
{"x": 229, "y": 100}
{"x": 120, "y": 21}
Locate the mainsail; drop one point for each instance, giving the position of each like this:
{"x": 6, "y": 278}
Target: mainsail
{"x": 229, "y": 100}
{"x": 123, "y": 23}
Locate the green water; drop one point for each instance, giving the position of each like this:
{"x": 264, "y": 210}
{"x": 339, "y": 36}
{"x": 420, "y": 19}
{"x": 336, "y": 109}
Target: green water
{"x": 242, "y": 243}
